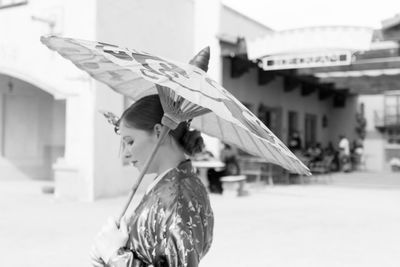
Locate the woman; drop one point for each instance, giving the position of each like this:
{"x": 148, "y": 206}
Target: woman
{"x": 173, "y": 224}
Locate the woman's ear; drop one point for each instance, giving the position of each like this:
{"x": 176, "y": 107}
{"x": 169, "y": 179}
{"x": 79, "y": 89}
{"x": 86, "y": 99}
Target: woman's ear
{"x": 157, "y": 129}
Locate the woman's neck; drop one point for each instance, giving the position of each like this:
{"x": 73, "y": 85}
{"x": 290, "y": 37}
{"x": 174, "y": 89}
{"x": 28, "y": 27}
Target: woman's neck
{"x": 171, "y": 160}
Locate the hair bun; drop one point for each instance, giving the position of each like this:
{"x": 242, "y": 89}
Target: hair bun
{"x": 192, "y": 142}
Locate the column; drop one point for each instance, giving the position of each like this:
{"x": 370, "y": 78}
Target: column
{"x": 206, "y": 28}
{"x": 73, "y": 173}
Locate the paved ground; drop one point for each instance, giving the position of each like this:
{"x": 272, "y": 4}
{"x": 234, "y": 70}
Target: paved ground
{"x": 354, "y": 220}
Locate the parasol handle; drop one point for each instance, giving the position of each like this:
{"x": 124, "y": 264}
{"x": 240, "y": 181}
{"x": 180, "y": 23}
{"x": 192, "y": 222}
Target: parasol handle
{"x": 164, "y": 132}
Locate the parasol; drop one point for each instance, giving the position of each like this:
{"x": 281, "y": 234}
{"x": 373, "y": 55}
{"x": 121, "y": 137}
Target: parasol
{"x": 186, "y": 93}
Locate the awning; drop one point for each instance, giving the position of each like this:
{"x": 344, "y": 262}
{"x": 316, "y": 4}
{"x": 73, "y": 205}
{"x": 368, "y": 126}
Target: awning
{"x": 312, "y": 39}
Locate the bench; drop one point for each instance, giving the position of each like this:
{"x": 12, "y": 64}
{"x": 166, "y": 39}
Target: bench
{"x": 240, "y": 180}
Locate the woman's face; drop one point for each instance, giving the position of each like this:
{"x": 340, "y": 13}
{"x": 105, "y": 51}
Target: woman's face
{"x": 136, "y": 145}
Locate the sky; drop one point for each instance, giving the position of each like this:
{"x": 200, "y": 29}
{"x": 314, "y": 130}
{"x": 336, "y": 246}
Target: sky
{"x": 290, "y": 14}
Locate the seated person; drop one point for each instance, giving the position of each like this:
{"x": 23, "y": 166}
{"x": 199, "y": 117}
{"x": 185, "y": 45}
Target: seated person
{"x": 295, "y": 143}
{"x": 229, "y": 157}
{"x": 331, "y": 151}
{"x": 315, "y": 153}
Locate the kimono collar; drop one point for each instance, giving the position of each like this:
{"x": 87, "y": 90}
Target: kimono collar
{"x": 185, "y": 166}
{"x": 156, "y": 180}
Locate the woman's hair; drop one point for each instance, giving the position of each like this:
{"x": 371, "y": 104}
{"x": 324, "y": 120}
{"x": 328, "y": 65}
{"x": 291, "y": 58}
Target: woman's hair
{"x": 148, "y": 111}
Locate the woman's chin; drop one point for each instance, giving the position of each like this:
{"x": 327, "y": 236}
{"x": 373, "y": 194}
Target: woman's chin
{"x": 136, "y": 165}
{"x": 139, "y": 167}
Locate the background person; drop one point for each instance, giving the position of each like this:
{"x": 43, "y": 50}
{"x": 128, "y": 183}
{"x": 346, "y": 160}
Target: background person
{"x": 295, "y": 143}
{"x": 344, "y": 153}
{"x": 228, "y": 155}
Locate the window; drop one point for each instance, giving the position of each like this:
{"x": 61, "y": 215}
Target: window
{"x": 392, "y": 109}
{"x": 12, "y": 3}
{"x": 393, "y": 136}
{"x": 271, "y": 117}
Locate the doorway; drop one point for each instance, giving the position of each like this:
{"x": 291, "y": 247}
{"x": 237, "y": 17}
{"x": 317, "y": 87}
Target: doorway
{"x": 310, "y": 127}
{"x": 32, "y": 127}
{"x": 293, "y": 124}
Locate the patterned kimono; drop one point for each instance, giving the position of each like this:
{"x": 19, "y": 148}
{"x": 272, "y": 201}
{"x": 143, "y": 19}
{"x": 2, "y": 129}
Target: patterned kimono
{"x": 173, "y": 224}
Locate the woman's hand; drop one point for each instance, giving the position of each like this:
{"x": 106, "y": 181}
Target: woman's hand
{"x": 110, "y": 239}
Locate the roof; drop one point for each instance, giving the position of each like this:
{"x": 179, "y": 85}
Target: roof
{"x": 239, "y": 14}
{"x": 391, "y": 22}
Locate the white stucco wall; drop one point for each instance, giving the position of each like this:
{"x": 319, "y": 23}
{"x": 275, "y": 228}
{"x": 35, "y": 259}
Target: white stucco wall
{"x": 206, "y": 29}
{"x": 164, "y": 28}
{"x": 235, "y": 24}
{"x": 23, "y": 55}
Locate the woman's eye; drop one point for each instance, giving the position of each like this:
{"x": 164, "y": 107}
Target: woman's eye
{"x": 127, "y": 141}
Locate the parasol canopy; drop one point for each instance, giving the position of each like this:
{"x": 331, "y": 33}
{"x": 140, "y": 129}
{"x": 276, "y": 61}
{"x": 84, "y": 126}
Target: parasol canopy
{"x": 213, "y": 110}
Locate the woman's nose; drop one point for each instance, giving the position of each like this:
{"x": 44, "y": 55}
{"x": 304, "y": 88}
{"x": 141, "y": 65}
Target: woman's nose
{"x": 126, "y": 153}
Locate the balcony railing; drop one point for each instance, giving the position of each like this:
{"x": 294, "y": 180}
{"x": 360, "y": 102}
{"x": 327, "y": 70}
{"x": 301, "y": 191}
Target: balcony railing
{"x": 386, "y": 119}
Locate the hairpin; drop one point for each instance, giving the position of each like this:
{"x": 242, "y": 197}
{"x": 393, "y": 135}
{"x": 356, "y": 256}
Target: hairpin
{"x": 112, "y": 119}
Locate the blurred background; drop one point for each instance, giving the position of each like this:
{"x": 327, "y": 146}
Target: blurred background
{"x": 324, "y": 76}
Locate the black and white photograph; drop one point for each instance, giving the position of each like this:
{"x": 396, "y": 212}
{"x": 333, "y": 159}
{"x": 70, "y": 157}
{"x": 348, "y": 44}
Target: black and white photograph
{"x": 185, "y": 133}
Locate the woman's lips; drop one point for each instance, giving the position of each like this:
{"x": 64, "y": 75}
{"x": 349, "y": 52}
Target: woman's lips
{"x": 133, "y": 162}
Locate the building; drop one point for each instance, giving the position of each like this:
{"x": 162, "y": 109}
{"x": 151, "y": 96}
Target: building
{"x": 51, "y": 128}
{"x": 374, "y": 76}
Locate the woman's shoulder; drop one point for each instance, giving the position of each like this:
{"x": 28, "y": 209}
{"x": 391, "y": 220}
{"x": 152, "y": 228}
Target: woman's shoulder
{"x": 178, "y": 180}
{"x": 180, "y": 184}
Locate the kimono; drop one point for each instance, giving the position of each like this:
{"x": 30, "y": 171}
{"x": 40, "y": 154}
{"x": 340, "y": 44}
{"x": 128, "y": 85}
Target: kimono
{"x": 173, "y": 224}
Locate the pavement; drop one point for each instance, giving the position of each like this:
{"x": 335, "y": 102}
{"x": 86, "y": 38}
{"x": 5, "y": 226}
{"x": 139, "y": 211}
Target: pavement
{"x": 343, "y": 220}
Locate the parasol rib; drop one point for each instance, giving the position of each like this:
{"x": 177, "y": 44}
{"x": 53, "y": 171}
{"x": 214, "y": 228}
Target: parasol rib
{"x": 281, "y": 160}
{"x": 239, "y": 136}
{"x": 259, "y": 150}
{"x": 220, "y": 128}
